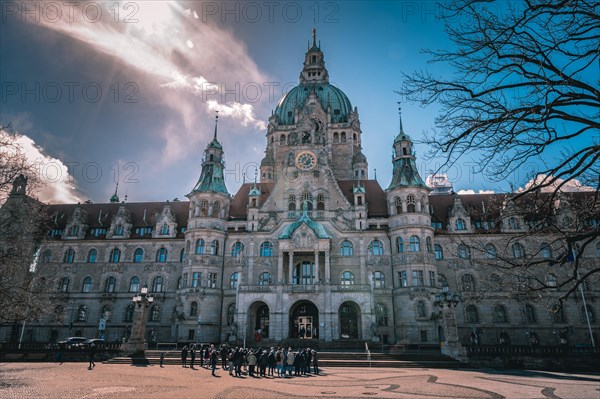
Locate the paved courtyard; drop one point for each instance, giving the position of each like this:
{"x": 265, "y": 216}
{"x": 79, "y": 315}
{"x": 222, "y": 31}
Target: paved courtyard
{"x": 73, "y": 380}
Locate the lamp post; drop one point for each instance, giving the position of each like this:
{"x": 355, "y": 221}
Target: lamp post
{"x": 137, "y": 341}
{"x": 447, "y": 302}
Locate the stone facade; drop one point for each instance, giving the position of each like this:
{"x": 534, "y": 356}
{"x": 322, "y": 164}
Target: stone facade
{"x": 314, "y": 250}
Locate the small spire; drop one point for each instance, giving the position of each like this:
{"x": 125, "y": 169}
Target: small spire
{"x": 115, "y": 196}
{"x": 255, "y": 176}
{"x": 314, "y": 34}
{"x": 243, "y": 178}
{"x": 400, "y": 116}
{"x": 375, "y": 173}
{"x": 216, "y": 123}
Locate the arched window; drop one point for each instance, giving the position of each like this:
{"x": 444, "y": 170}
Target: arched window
{"x": 82, "y": 313}
{"x": 464, "y": 252}
{"x": 214, "y": 246}
{"x": 47, "y": 257}
{"x": 119, "y": 230}
{"x": 415, "y": 244}
{"x": 398, "y": 204}
{"x": 204, "y": 208}
{"x": 320, "y": 202}
{"x": 546, "y": 251}
{"x": 306, "y": 199}
{"x": 92, "y": 255}
{"x": 346, "y": 248}
{"x": 138, "y": 255}
{"x": 472, "y": 315}
{"x": 164, "y": 230}
{"x": 230, "y": 314}
{"x": 336, "y": 137}
{"x": 161, "y": 255}
{"x": 343, "y": 137}
{"x": 154, "y": 313}
{"x": 194, "y": 309}
{"x": 399, "y": 245}
{"x": 518, "y": 251}
{"x": 590, "y": 314}
{"x": 530, "y": 314}
{"x": 378, "y": 279}
{"x": 237, "y": 249}
{"x": 199, "y": 246}
{"x": 490, "y": 251}
{"x": 115, "y": 255}
{"x": 428, "y": 244}
{"x": 381, "y": 314}
{"x": 233, "y": 281}
{"x": 266, "y": 249}
{"x": 69, "y": 256}
{"x": 421, "y": 309}
{"x": 110, "y": 284}
{"x": 129, "y": 313}
{"x": 282, "y": 139}
{"x": 439, "y": 252}
{"x": 158, "y": 284}
{"x": 182, "y": 254}
{"x": 87, "y": 285}
{"x": 292, "y": 202}
{"x": 499, "y": 314}
{"x": 551, "y": 280}
{"x": 134, "y": 284}
{"x": 376, "y": 248}
{"x": 187, "y": 246}
{"x": 460, "y": 225}
{"x": 513, "y": 224}
{"x": 347, "y": 278}
{"x": 264, "y": 279}
{"x": 467, "y": 283}
{"x": 63, "y": 286}
{"x": 410, "y": 203}
{"x": 443, "y": 282}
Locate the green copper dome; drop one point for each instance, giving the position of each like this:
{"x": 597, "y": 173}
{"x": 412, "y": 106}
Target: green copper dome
{"x": 316, "y": 227}
{"x": 296, "y": 97}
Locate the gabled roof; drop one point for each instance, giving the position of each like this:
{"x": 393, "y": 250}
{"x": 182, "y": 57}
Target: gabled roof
{"x": 239, "y": 202}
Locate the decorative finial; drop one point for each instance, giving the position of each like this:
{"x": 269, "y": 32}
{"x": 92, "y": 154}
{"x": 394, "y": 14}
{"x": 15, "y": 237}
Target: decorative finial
{"x": 244, "y": 178}
{"x": 400, "y": 116}
{"x": 314, "y": 34}
{"x": 255, "y": 176}
{"x": 375, "y": 173}
{"x": 216, "y": 123}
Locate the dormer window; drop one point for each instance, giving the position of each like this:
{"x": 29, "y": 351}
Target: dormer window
{"x": 513, "y": 224}
{"x": 164, "y": 230}
{"x": 119, "y": 230}
{"x": 460, "y": 225}
{"x": 73, "y": 231}
{"x": 336, "y": 112}
{"x": 313, "y": 59}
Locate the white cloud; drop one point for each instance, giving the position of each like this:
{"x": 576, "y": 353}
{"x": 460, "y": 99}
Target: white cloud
{"x": 57, "y": 184}
{"x": 467, "y": 192}
{"x": 570, "y": 186}
{"x": 242, "y": 112}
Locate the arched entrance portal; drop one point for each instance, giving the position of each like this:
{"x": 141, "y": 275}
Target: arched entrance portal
{"x": 258, "y": 320}
{"x": 349, "y": 318}
{"x": 304, "y": 320}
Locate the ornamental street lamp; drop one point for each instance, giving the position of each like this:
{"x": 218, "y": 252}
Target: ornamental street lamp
{"x": 447, "y": 302}
{"x": 137, "y": 341}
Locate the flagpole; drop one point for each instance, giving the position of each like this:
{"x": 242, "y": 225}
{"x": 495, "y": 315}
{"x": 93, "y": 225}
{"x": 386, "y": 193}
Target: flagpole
{"x": 585, "y": 308}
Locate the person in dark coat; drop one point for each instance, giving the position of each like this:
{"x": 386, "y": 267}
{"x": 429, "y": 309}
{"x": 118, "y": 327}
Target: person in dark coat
{"x": 224, "y": 353}
{"x": 315, "y": 360}
{"x": 213, "y": 361}
{"x": 263, "y": 361}
{"x": 271, "y": 362}
{"x": 192, "y": 356}
{"x": 184, "y": 353}
{"x": 91, "y": 354}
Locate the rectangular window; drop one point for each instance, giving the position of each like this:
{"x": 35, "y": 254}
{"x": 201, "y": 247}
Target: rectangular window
{"x": 423, "y": 335}
{"x": 191, "y": 334}
{"x": 417, "y": 278}
{"x": 196, "y": 279}
{"x": 212, "y": 280}
{"x": 432, "y": 279}
{"x": 403, "y": 279}
{"x": 184, "y": 283}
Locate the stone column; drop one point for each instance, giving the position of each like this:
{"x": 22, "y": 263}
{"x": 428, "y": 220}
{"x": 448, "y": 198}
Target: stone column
{"x": 291, "y": 268}
{"x": 327, "y": 268}
{"x": 317, "y": 266}
{"x": 280, "y": 278}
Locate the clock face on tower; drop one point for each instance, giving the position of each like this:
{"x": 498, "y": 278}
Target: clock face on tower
{"x": 306, "y": 160}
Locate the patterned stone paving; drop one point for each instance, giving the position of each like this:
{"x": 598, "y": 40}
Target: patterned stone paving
{"x": 73, "y": 380}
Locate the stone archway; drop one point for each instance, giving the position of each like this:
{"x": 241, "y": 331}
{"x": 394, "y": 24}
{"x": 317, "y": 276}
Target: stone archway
{"x": 349, "y": 314}
{"x": 259, "y": 321}
{"x": 304, "y": 320}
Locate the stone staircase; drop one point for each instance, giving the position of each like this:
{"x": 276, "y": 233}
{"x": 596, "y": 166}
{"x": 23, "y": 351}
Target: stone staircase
{"x": 409, "y": 359}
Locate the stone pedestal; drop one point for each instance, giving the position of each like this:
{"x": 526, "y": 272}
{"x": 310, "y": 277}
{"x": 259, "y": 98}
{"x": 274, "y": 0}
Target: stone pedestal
{"x": 137, "y": 342}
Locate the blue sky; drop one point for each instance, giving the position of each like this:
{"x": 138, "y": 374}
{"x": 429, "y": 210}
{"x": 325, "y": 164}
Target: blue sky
{"x": 155, "y": 64}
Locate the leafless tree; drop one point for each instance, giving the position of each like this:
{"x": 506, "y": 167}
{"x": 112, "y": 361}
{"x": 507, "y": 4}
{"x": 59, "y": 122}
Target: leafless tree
{"x": 524, "y": 86}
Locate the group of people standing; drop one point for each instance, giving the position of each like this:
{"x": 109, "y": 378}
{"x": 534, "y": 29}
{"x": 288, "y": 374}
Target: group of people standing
{"x": 254, "y": 362}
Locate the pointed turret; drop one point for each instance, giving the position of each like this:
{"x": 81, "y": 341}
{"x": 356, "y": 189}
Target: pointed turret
{"x": 314, "y": 70}
{"x": 115, "y": 196}
{"x": 212, "y": 177}
{"x": 405, "y": 169}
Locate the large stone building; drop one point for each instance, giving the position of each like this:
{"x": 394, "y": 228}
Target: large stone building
{"x": 315, "y": 250}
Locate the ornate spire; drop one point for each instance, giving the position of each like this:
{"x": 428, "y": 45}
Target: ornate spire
{"x": 314, "y": 35}
{"x": 216, "y": 123}
{"x": 400, "y": 117}
{"x": 115, "y": 196}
